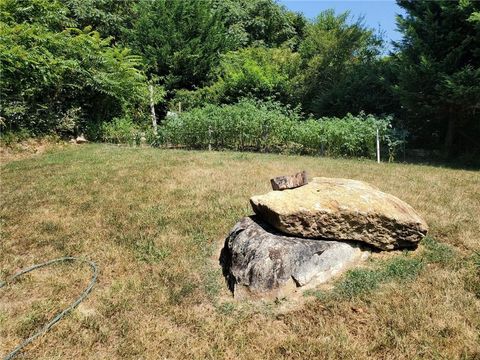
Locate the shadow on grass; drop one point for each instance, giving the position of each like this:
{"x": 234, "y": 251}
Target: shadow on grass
{"x": 435, "y": 159}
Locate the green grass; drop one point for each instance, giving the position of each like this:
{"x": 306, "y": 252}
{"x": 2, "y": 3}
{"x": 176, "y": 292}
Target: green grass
{"x": 403, "y": 267}
{"x": 437, "y": 252}
{"x": 154, "y": 222}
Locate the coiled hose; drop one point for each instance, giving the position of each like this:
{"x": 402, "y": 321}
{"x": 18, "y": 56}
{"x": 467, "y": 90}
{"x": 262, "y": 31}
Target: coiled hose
{"x": 62, "y": 313}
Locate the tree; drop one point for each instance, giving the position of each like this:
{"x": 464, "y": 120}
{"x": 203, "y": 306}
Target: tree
{"x": 61, "y": 79}
{"x": 439, "y": 73}
{"x": 261, "y": 23}
{"x": 181, "y": 41}
{"x": 335, "y": 55}
{"x": 108, "y": 17}
{"x": 256, "y": 72}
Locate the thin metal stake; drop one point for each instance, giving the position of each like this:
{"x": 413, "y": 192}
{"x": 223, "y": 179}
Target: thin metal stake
{"x": 378, "y": 147}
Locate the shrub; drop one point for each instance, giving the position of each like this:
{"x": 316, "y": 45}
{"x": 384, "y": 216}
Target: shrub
{"x": 267, "y": 126}
{"x": 121, "y": 131}
{"x": 248, "y": 125}
{"x": 348, "y": 136}
{"x": 8, "y": 138}
{"x": 254, "y": 72}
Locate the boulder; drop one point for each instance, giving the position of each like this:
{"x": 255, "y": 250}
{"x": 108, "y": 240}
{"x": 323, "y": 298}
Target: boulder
{"x": 342, "y": 209}
{"x": 260, "y": 262}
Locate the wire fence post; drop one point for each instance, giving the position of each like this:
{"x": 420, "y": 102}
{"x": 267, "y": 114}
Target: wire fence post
{"x": 378, "y": 147}
{"x": 209, "y": 138}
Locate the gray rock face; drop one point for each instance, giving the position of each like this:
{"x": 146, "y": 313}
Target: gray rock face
{"x": 258, "y": 261}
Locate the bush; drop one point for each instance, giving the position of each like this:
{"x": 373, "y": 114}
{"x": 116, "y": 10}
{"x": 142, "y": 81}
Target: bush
{"x": 348, "y": 136}
{"x": 8, "y": 138}
{"x": 248, "y": 125}
{"x": 267, "y": 126}
{"x": 254, "y": 72}
{"x": 121, "y": 131}
{"x": 257, "y": 72}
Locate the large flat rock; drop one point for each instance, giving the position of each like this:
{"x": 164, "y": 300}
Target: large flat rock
{"x": 260, "y": 262}
{"x": 342, "y": 209}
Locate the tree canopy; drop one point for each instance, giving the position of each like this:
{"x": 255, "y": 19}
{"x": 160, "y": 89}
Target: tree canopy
{"x": 58, "y": 78}
{"x": 69, "y": 66}
{"x": 439, "y": 72}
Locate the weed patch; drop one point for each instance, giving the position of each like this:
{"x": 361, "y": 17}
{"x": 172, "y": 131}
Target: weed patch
{"x": 362, "y": 281}
{"x": 405, "y": 267}
{"x": 225, "y": 308}
{"x": 437, "y": 253}
{"x": 148, "y": 252}
{"x": 177, "y": 296}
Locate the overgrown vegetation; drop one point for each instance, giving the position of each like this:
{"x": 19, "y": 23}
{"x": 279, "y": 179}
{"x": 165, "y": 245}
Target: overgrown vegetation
{"x": 70, "y": 67}
{"x": 57, "y": 78}
{"x": 154, "y": 220}
{"x": 269, "y": 127}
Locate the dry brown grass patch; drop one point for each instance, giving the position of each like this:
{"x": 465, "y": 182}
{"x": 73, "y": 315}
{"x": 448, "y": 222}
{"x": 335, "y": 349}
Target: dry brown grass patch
{"x": 153, "y": 220}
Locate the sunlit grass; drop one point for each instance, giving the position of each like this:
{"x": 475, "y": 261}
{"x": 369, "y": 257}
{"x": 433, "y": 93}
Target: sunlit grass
{"x": 154, "y": 221}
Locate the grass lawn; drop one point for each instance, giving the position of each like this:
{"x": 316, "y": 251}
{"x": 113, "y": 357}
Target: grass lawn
{"x": 154, "y": 221}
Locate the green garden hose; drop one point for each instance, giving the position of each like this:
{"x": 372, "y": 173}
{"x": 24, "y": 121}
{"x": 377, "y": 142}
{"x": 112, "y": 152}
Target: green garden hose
{"x": 62, "y": 313}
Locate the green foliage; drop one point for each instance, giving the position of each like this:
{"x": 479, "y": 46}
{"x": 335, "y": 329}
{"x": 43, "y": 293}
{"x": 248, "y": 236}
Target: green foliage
{"x": 260, "y": 23}
{"x": 66, "y": 67}
{"x": 256, "y": 72}
{"x": 347, "y": 136}
{"x": 248, "y": 125}
{"x": 472, "y": 279}
{"x": 361, "y": 86}
{"x": 437, "y": 253}
{"x": 8, "y": 138}
{"x": 181, "y": 41}
{"x": 267, "y": 126}
{"x": 61, "y": 80}
{"x": 121, "y": 131}
{"x": 405, "y": 267}
{"x": 337, "y": 54}
{"x": 402, "y": 268}
{"x": 51, "y": 14}
{"x": 438, "y": 66}
{"x": 358, "y": 281}
{"x": 148, "y": 252}
{"x": 108, "y": 17}
{"x": 225, "y": 308}
{"x": 362, "y": 281}
{"x": 190, "y": 99}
